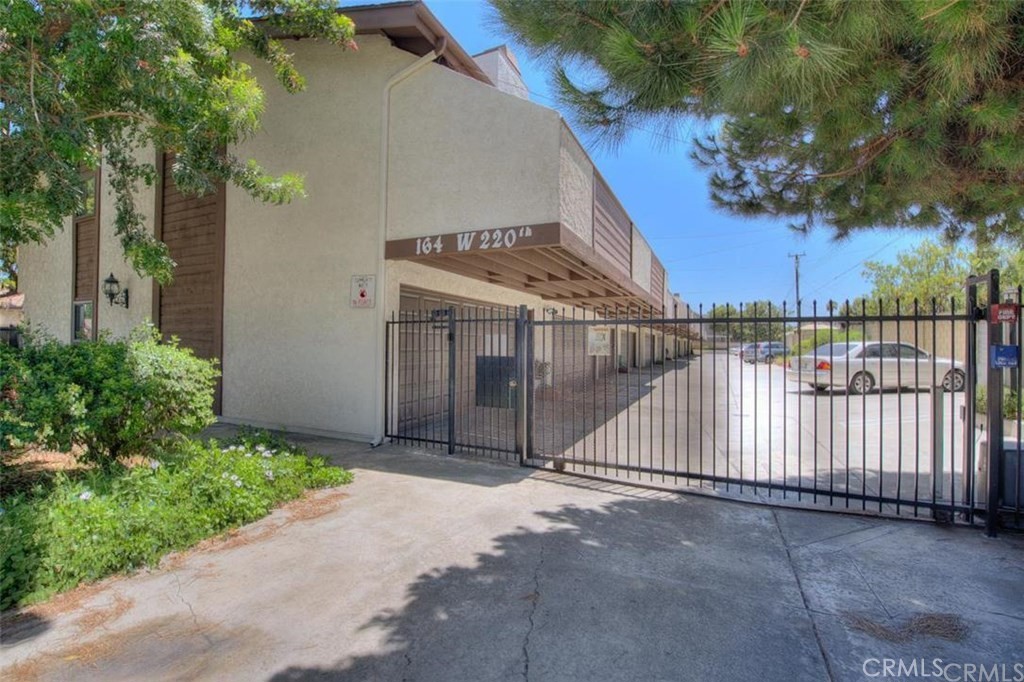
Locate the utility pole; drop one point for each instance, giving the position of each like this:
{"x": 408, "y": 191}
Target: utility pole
{"x": 796, "y": 267}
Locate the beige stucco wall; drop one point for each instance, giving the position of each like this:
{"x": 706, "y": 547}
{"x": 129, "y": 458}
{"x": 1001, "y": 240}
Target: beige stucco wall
{"x": 424, "y": 277}
{"x": 46, "y": 270}
{"x": 466, "y": 156}
{"x": 44, "y": 276}
{"x": 116, "y": 319}
{"x": 295, "y": 353}
{"x": 641, "y": 260}
{"x": 10, "y": 318}
{"x": 576, "y": 187}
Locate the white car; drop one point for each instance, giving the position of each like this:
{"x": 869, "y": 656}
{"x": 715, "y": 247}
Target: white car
{"x": 861, "y": 367}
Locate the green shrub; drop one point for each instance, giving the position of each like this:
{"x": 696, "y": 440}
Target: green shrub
{"x": 822, "y": 336}
{"x": 80, "y": 530}
{"x": 1011, "y": 403}
{"x": 109, "y": 396}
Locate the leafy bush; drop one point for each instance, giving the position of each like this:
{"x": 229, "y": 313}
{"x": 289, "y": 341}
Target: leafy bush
{"x": 80, "y": 530}
{"x": 109, "y": 396}
{"x": 1011, "y": 403}
{"x": 822, "y": 336}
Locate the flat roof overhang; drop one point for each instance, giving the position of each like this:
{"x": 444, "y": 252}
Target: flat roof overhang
{"x": 547, "y": 260}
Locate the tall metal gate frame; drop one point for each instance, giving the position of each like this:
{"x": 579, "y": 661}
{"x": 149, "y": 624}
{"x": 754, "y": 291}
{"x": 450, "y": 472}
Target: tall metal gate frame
{"x": 618, "y": 395}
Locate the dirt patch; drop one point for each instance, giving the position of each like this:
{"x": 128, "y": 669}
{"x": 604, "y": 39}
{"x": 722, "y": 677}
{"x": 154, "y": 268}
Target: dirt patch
{"x": 101, "y": 615}
{"x": 59, "y": 605}
{"x": 25, "y": 623}
{"x": 946, "y": 626}
{"x": 174, "y": 647}
{"x": 313, "y": 505}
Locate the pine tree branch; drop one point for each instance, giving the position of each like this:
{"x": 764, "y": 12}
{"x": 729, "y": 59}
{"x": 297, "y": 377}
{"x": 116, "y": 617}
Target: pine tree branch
{"x": 711, "y": 10}
{"x": 803, "y": 3}
{"x": 939, "y": 11}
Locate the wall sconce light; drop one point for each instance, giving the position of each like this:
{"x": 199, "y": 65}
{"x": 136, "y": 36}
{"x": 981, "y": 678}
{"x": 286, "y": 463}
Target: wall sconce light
{"x": 551, "y": 311}
{"x": 113, "y": 291}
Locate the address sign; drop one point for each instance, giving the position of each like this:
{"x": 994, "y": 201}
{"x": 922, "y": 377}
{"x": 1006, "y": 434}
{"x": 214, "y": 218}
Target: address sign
{"x": 497, "y": 239}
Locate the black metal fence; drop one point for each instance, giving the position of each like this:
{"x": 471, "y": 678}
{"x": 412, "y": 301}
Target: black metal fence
{"x": 869, "y": 407}
{"x": 858, "y": 415}
{"x": 452, "y": 380}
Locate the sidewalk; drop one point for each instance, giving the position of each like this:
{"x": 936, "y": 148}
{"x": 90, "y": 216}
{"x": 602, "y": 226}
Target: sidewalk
{"x": 444, "y": 569}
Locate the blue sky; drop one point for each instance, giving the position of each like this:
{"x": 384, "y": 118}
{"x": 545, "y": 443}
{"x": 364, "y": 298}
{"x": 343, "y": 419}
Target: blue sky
{"x": 711, "y": 257}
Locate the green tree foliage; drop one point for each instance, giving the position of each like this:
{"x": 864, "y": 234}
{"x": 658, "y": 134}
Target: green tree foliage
{"x": 77, "y": 77}
{"x": 890, "y": 113}
{"x": 726, "y": 321}
{"x": 936, "y": 270}
{"x": 109, "y": 397}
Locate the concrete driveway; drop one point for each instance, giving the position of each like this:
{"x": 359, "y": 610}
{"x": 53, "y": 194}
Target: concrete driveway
{"x": 443, "y": 569}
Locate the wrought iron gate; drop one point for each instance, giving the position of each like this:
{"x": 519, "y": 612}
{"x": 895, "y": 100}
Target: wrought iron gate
{"x": 453, "y": 380}
{"x": 867, "y": 407}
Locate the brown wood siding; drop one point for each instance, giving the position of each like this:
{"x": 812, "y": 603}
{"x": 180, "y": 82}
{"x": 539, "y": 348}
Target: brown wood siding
{"x": 87, "y": 253}
{"x": 658, "y": 281}
{"x": 612, "y": 227}
{"x": 191, "y": 306}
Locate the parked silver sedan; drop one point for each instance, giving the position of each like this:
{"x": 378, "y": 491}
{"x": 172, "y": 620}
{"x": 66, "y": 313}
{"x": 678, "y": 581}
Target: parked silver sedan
{"x": 862, "y": 367}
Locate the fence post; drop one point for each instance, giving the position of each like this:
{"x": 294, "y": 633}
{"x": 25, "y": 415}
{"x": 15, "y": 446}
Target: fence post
{"x": 452, "y": 360}
{"x": 995, "y": 411}
{"x": 530, "y": 379}
{"x": 970, "y": 393}
{"x": 521, "y": 380}
{"x": 387, "y": 378}
{"x": 938, "y": 452}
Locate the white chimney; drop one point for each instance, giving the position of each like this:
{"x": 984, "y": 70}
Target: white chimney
{"x": 501, "y": 67}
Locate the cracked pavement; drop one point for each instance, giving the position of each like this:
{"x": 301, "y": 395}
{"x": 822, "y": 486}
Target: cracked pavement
{"x": 447, "y": 569}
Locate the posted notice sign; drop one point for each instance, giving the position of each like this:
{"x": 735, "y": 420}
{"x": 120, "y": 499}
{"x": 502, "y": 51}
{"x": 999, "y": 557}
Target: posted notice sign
{"x": 1004, "y": 313}
{"x": 364, "y": 291}
{"x": 599, "y": 341}
{"x": 1004, "y": 357}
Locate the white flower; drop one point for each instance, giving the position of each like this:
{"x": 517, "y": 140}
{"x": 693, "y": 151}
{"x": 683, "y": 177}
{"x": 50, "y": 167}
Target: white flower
{"x": 267, "y": 454}
{"x": 234, "y": 477}
{"x": 87, "y": 495}
{"x": 154, "y": 465}
{"x": 224, "y": 475}
{"x": 248, "y": 454}
{"x": 269, "y": 475}
{"x": 238, "y": 484}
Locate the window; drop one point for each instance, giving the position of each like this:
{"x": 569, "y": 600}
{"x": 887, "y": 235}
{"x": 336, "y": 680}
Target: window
{"x": 832, "y": 350}
{"x": 911, "y": 352}
{"x": 84, "y": 325}
{"x": 85, "y": 281}
{"x": 88, "y": 208}
{"x": 890, "y": 351}
{"x": 874, "y": 351}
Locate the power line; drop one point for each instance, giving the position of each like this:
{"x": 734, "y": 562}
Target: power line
{"x": 860, "y": 262}
{"x": 707, "y": 235}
